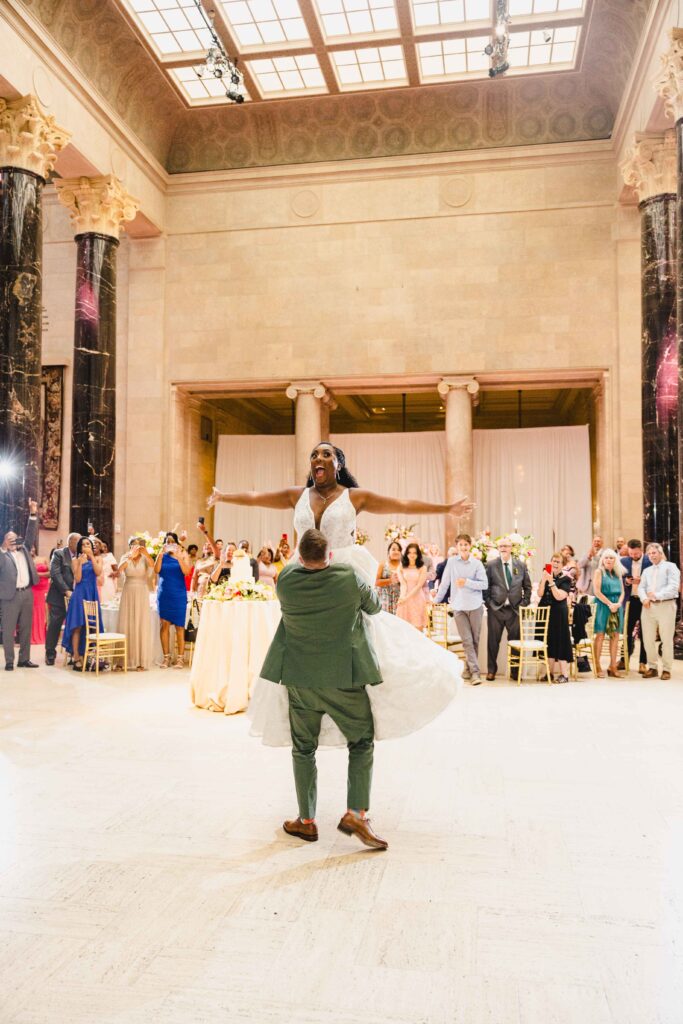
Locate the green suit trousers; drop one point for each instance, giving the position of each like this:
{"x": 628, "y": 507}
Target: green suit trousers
{"x": 350, "y": 710}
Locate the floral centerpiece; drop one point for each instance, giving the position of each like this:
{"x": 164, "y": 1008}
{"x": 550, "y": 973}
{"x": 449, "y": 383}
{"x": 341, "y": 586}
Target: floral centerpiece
{"x": 152, "y": 544}
{"x": 245, "y": 590}
{"x": 362, "y": 537}
{"x": 484, "y": 547}
{"x": 397, "y": 531}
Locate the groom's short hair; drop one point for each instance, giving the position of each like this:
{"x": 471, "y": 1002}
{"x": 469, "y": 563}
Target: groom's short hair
{"x": 313, "y": 546}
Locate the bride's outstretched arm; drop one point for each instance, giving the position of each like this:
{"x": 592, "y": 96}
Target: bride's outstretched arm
{"x": 262, "y": 499}
{"x": 367, "y": 501}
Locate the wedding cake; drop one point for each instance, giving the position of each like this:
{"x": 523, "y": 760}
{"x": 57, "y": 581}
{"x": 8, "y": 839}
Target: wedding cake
{"x": 241, "y": 571}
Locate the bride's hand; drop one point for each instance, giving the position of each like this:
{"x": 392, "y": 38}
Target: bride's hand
{"x": 462, "y": 507}
{"x": 214, "y": 497}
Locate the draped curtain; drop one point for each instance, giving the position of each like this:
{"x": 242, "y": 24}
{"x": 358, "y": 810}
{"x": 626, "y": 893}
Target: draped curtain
{"x": 538, "y": 478}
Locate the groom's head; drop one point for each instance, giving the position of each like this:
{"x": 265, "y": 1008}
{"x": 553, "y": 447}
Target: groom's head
{"x": 313, "y": 550}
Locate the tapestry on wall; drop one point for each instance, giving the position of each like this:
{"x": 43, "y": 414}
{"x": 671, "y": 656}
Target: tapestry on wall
{"x": 52, "y": 412}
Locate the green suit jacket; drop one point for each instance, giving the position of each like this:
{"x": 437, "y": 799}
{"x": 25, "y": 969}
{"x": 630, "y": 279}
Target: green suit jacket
{"x": 322, "y": 641}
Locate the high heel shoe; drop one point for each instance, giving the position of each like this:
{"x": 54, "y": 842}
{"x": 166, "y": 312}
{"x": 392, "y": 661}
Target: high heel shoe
{"x": 166, "y": 663}
{"x": 599, "y": 674}
{"x": 614, "y": 673}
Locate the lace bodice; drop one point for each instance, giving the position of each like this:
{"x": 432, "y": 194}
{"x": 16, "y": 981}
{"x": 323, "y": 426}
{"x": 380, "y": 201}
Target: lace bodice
{"x": 338, "y": 521}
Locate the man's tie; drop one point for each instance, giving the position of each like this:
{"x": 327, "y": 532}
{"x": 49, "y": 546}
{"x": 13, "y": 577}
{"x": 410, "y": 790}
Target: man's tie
{"x": 508, "y": 575}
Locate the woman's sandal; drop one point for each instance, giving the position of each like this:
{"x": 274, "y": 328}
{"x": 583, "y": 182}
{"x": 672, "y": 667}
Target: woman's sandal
{"x": 166, "y": 663}
{"x": 179, "y": 662}
{"x": 614, "y": 673}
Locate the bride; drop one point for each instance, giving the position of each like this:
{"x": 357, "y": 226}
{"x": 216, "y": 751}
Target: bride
{"x": 419, "y": 677}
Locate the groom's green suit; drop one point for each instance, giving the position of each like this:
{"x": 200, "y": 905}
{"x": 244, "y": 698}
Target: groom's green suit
{"x": 324, "y": 656}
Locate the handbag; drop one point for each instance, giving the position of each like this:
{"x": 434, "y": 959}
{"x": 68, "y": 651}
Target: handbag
{"x": 191, "y": 628}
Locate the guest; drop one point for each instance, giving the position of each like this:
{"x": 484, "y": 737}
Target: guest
{"x": 659, "y": 588}
{"x": 267, "y": 572}
{"x": 171, "y": 567}
{"x": 570, "y": 567}
{"x": 17, "y": 578}
{"x": 108, "y": 589}
{"x": 202, "y": 572}
{"x": 40, "y": 589}
{"x": 192, "y": 553}
{"x": 588, "y": 567}
{"x": 387, "y": 583}
{"x": 635, "y": 563}
{"x": 465, "y": 580}
{"x": 61, "y": 589}
{"x": 87, "y": 566}
{"x": 452, "y": 551}
{"x": 621, "y": 547}
{"x": 246, "y": 546}
{"x": 608, "y": 588}
{"x": 553, "y": 591}
{"x": 283, "y": 553}
{"x": 509, "y": 590}
{"x": 136, "y": 567}
{"x": 223, "y": 567}
{"x": 412, "y": 604}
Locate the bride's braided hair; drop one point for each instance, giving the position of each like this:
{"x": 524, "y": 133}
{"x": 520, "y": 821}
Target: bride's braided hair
{"x": 345, "y": 478}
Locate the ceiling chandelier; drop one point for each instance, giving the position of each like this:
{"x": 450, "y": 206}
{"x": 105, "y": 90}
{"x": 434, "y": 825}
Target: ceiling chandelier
{"x": 497, "y": 50}
{"x": 217, "y": 63}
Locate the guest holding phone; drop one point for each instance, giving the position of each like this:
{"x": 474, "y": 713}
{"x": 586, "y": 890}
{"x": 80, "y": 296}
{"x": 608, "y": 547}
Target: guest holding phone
{"x": 388, "y": 583}
{"x": 171, "y": 566}
{"x": 553, "y": 591}
{"x": 635, "y": 564}
{"x": 87, "y": 567}
{"x": 136, "y": 566}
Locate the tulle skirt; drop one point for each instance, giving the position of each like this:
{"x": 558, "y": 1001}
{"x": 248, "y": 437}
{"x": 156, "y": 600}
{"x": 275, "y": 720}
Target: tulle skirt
{"x": 420, "y": 679}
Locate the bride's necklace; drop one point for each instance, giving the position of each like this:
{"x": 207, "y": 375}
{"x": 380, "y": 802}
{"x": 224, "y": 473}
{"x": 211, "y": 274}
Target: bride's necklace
{"x": 324, "y": 499}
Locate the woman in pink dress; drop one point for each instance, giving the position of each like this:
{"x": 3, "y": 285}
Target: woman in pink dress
{"x": 39, "y": 594}
{"x": 267, "y": 572}
{"x": 412, "y": 604}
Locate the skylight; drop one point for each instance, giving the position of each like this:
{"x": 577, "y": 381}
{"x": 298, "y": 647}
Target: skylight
{"x": 201, "y": 90}
{"x": 525, "y": 7}
{"x": 544, "y": 47}
{"x": 449, "y": 12}
{"x": 376, "y": 65}
{"x": 263, "y": 22}
{"x": 279, "y": 76}
{"x": 173, "y": 26}
{"x": 342, "y": 18}
{"x": 446, "y": 58}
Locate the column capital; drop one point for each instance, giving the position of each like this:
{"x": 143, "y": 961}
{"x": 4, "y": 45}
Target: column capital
{"x": 650, "y": 168}
{"x": 669, "y": 82}
{"x": 311, "y": 387}
{"x": 29, "y": 138}
{"x": 99, "y": 205}
{"x": 470, "y": 384}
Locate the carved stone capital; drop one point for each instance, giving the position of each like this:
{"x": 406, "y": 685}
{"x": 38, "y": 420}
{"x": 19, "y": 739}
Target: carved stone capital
{"x": 98, "y": 205}
{"x": 669, "y": 82}
{"x": 29, "y": 138}
{"x": 311, "y": 387}
{"x": 470, "y": 384}
{"x": 650, "y": 167}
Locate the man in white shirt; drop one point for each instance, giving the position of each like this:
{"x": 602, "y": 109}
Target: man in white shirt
{"x": 464, "y": 581}
{"x": 659, "y": 588}
{"x": 17, "y": 578}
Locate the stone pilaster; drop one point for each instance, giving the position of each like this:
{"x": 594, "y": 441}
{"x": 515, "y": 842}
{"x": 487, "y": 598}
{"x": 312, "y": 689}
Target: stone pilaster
{"x": 312, "y": 422}
{"x": 99, "y": 207}
{"x": 29, "y": 143}
{"x": 651, "y": 170}
{"x": 458, "y": 393}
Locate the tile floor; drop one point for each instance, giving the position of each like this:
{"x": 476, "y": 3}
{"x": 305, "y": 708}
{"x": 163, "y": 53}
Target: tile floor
{"x": 535, "y": 870}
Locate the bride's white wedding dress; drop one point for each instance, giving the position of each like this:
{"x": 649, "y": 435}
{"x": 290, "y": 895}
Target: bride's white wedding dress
{"x": 419, "y": 678}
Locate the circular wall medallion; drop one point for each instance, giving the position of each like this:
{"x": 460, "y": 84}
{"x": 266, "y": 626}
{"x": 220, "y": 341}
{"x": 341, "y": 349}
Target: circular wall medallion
{"x": 456, "y": 191}
{"x": 305, "y": 204}
{"x": 43, "y": 85}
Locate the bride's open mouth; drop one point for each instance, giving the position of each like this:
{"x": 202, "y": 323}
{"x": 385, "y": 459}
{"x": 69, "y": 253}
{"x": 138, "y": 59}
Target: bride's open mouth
{"x": 318, "y": 472}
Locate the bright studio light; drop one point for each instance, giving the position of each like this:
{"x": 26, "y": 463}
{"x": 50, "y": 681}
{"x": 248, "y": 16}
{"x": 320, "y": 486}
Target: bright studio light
{"x": 7, "y": 469}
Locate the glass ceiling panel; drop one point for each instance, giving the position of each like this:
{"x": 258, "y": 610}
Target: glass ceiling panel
{"x": 343, "y": 18}
{"x": 445, "y": 58}
{"x": 526, "y": 7}
{"x": 280, "y": 76}
{"x": 450, "y": 12}
{"x": 543, "y": 48}
{"x": 269, "y": 22}
{"x": 202, "y": 90}
{"x": 175, "y": 27}
{"x": 373, "y": 66}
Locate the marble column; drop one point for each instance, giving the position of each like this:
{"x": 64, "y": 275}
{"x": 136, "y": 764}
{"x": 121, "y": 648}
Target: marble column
{"x": 29, "y": 144}
{"x": 651, "y": 170}
{"x": 458, "y": 394}
{"x": 98, "y": 207}
{"x": 312, "y": 422}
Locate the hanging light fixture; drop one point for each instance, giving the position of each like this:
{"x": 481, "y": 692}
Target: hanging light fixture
{"x": 497, "y": 49}
{"x": 217, "y": 63}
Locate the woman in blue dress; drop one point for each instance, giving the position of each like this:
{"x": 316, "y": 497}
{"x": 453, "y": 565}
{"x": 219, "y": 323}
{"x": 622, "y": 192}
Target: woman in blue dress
{"x": 87, "y": 566}
{"x": 608, "y": 588}
{"x": 172, "y": 566}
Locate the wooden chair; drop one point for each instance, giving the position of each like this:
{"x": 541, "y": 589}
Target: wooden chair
{"x": 584, "y": 649}
{"x": 112, "y": 645}
{"x": 532, "y": 646}
{"x": 441, "y": 629}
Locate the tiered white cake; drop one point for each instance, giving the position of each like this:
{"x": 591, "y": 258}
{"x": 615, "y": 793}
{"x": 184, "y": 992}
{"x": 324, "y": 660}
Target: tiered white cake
{"x": 241, "y": 571}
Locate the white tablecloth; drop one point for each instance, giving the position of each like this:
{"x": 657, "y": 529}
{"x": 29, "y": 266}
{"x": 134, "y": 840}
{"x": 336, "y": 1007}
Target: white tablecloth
{"x": 110, "y": 620}
{"x": 232, "y": 641}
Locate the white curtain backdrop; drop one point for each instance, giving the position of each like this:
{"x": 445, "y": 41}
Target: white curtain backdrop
{"x": 537, "y": 478}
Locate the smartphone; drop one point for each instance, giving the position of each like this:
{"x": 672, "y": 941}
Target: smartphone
{"x": 201, "y": 520}
{"x": 549, "y": 569}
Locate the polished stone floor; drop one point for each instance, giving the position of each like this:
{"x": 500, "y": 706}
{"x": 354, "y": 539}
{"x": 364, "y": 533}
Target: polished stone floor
{"x": 535, "y": 870}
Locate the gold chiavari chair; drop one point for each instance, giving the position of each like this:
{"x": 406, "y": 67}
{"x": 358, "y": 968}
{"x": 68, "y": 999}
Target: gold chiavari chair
{"x": 441, "y": 629}
{"x": 532, "y": 646}
{"x": 112, "y": 645}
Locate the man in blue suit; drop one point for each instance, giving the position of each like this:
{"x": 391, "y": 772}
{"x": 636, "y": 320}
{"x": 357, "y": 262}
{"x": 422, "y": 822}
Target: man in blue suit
{"x": 635, "y": 564}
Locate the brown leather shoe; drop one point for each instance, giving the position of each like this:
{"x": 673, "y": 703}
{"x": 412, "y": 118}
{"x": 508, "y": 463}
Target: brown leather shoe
{"x": 651, "y": 673}
{"x": 642, "y": 669}
{"x": 301, "y": 830}
{"x": 350, "y": 825}
{"x": 490, "y": 676}
{"x": 666, "y": 675}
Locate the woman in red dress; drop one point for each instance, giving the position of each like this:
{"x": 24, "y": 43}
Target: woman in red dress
{"x": 39, "y": 594}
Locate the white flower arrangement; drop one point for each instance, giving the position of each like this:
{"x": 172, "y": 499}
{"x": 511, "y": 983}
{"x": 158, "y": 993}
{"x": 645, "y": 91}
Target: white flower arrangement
{"x": 397, "y": 531}
{"x": 246, "y": 590}
{"x": 485, "y": 548}
{"x": 152, "y": 544}
{"x": 362, "y": 537}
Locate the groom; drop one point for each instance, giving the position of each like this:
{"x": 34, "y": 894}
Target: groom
{"x": 322, "y": 653}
